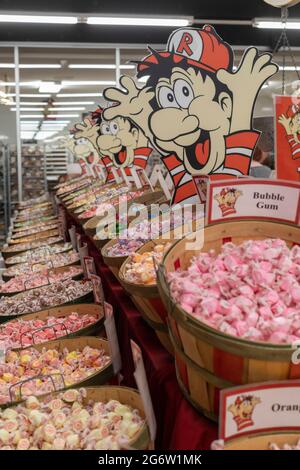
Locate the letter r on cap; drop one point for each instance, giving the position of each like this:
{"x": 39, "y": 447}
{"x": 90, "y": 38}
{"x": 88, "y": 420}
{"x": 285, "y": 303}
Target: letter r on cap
{"x": 184, "y": 44}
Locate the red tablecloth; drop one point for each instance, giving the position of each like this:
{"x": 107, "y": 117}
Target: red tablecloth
{"x": 179, "y": 426}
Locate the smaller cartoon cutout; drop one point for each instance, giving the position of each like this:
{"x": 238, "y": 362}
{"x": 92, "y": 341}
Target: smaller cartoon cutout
{"x": 291, "y": 124}
{"x": 119, "y": 143}
{"x": 242, "y": 410}
{"x": 227, "y": 200}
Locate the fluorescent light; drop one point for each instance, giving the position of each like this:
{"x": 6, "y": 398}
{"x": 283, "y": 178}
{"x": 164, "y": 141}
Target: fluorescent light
{"x": 77, "y": 95}
{"x": 35, "y": 83}
{"x": 27, "y": 135}
{"x": 31, "y": 116}
{"x": 56, "y": 121}
{"x": 47, "y": 121}
{"x": 41, "y": 135}
{"x": 38, "y": 19}
{"x": 135, "y": 21}
{"x": 101, "y": 66}
{"x": 76, "y": 108}
{"x": 33, "y": 103}
{"x": 62, "y": 103}
{"x": 62, "y": 115}
{"x": 289, "y": 68}
{"x": 30, "y": 95}
{"x": 275, "y": 24}
{"x": 50, "y": 87}
{"x": 30, "y": 66}
{"x": 27, "y": 109}
{"x": 66, "y": 83}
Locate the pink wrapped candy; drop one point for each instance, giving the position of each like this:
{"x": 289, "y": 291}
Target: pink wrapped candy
{"x": 250, "y": 290}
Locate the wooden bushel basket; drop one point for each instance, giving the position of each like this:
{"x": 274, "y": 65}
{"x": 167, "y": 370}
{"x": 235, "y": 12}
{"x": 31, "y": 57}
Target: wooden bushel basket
{"x": 58, "y": 312}
{"x": 7, "y": 253}
{"x": 11, "y": 260}
{"x": 41, "y": 224}
{"x": 100, "y": 377}
{"x": 113, "y": 262}
{"x": 126, "y": 396}
{"x": 50, "y": 271}
{"x": 206, "y": 359}
{"x": 35, "y": 237}
{"x": 86, "y": 298}
{"x": 147, "y": 299}
{"x": 6, "y": 276}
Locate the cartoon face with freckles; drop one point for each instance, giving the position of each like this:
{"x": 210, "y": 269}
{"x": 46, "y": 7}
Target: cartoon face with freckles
{"x": 181, "y": 123}
{"x": 118, "y": 139}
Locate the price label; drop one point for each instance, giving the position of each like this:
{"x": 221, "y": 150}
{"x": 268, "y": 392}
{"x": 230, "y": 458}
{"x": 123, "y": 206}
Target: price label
{"x": 259, "y": 408}
{"x": 72, "y": 233}
{"x": 111, "y": 333}
{"x": 89, "y": 266}
{"x": 83, "y": 252}
{"x": 143, "y": 387}
{"x": 97, "y": 289}
{"x": 78, "y": 241}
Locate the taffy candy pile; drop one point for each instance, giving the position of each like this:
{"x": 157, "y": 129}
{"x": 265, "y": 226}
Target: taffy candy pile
{"x": 32, "y": 231}
{"x": 32, "y": 245}
{"x": 39, "y": 254}
{"x": 32, "y": 222}
{"x": 140, "y": 268}
{"x": 35, "y": 236}
{"x": 125, "y": 246}
{"x": 42, "y": 278}
{"x": 47, "y": 296}
{"x": 75, "y": 366}
{"x": 22, "y": 333}
{"x": 51, "y": 261}
{"x": 69, "y": 421}
{"x": 250, "y": 291}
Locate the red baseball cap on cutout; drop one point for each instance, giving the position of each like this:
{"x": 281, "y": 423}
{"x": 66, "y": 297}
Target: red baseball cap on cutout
{"x": 201, "y": 48}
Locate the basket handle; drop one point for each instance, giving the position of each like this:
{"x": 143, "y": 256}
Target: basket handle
{"x": 40, "y": 376}
{"x": 45, "y": 327}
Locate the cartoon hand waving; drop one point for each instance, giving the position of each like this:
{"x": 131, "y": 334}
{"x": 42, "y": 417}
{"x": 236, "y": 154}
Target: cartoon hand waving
{"x": 285, "y": 122}
{"x": 88, "y": 130}
{"x": 245, "y": 83}
{"x": 133, "y": 103}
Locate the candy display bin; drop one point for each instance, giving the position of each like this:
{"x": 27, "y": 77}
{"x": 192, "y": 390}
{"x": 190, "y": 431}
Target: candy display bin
{"x": 126, "y": 396}
{"x": 147, "y": 299}
{"x": 208, "y": 360}
{"x": 101, "y": 377}
{"x": 96, "y": 328}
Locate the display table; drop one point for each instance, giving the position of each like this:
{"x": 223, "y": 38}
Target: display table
{"x": 179, "y": 426}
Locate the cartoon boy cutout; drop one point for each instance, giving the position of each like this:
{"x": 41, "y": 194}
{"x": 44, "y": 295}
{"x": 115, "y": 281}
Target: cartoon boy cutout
{"x": 194, "y": 108}
{"x": 291, "y": 124}
{"x": 120, "y": 144}
{"x": 83, "y": 152}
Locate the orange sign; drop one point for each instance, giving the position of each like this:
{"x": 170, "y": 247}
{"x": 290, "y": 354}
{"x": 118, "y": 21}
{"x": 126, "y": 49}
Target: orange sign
{"x": 287, "y": 125}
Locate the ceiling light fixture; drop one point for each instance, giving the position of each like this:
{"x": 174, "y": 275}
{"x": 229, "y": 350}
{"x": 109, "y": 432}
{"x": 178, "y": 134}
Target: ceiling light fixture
{"x": 62, "y": 115}
{"x": 49, "y": 87}
{"x": 78, "y": 95}
{"x": 289, "y": 68}
{"x": 77, "y": 108}
{"x": 268, "y": 23}
{"x": 67, "y": 83}
{"x": 62, "y": 103}
{"x": 46, "y": 19}
{"x": 27, "y": 109}
{"x": 136, "y": 21}
{"x": 101, "y": 66}
{"x": 30, "y": 95}
{"x": 30, "y": 66}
